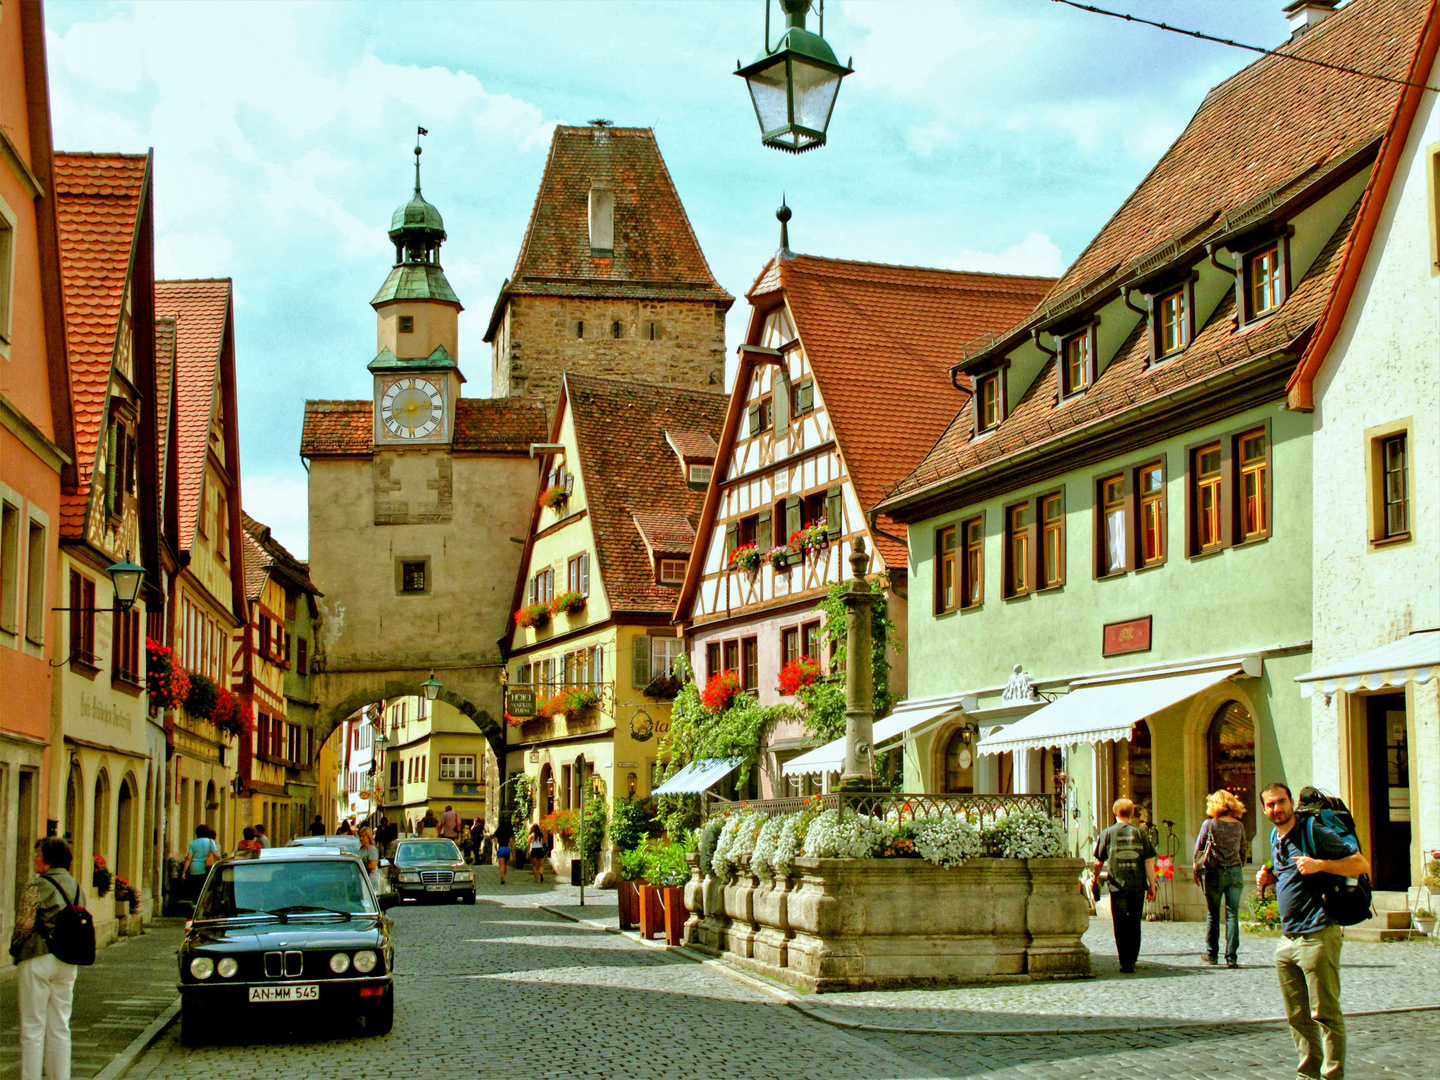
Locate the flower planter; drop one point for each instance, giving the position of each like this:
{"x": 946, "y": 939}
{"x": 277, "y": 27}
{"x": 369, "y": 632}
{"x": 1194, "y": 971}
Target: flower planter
{"x": 628, "y": 896}
{"x": 1425, "y": 926}
{"x": 652, "y": 911}
{"x": 847, "y": 924}
{"x": 675, "y": 914}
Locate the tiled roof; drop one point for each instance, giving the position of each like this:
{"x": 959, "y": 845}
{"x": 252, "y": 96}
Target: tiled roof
{"x": 263, "y": 551}
{"x": 1270, "y": 129}
{"x": 482, "y": 425}
{"x": 201, "y": 311}
{"x": 1130, "y": 380}
{"x": 665, "y": 533}
{"x": 656, "y": 255}
{"x": 164, "y": 393}
{"x": 694, "y": 446}
{"x": 888, "y": 334}
{"x": 1261, "y": 128}
{"x": 97, "y": 206}
{"x": 632, "y": 479}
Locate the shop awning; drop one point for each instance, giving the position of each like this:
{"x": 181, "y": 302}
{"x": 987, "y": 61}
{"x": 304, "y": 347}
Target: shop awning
{"x": 906, "y": 716}
{"x": 1411, "y": 659}
{"x": 1103, "y": 713}
{"x": 698, "y": 776}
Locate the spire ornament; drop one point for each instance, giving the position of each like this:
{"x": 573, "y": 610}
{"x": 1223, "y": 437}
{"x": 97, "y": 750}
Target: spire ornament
{"x": 783, "y": 216}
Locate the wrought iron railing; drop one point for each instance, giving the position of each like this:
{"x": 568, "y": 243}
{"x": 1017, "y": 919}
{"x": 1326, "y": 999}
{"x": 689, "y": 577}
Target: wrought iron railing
{"x": 903, "y": 806}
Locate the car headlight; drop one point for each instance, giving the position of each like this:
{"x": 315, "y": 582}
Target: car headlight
{"x": 227, "y": 967}
{"x": 365, "y": 960}
{"x": 464, "y": 875}
{"x": 340, "y": 963}
{"x": 202, "y": 967}
{"x": 411, "y": 878}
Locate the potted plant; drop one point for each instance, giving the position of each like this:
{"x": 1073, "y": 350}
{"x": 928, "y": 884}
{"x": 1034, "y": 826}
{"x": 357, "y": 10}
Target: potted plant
{"x": 779, "y": 557}
{"x": 668, "y": 869}
{"x": 632, "y": 876}
{"x": 651, "y": 902}
{"x": 798, "y": 673}
{"x": 536, "y": 615}
{"x": 1424, "y": 919}
{"x": 201, "y": 696}
{"x": 568, "y": 602}
{"x": 813, "y": 538}
{"x": 166, "y": 681}
{"x": 745, "y": 557}
{"x": 554, "y": 496}
{"x": 100, "y": 877}
{"x": 664, "y": 686}
{"x": 720, "y": 691}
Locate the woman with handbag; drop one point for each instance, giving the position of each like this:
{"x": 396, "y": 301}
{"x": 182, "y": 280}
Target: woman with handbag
{"x": 203, "y": 853}
{"x": 1219, "y": 856}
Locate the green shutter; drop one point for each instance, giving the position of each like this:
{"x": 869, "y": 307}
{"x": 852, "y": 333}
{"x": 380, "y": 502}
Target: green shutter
{"x": 754, "y": 420}
{"x": 781, "y": 397}
{"x": 792, "y": 516}
{"x": 112, "y": 466}
{"x": 732, "y": 538}
{"x": 835, "y": 512}
{"x": 585, "y": 574}
{"x": 640, "y": 661}
{"x": 805, "y": 397}
{"x": 764, "y": 532}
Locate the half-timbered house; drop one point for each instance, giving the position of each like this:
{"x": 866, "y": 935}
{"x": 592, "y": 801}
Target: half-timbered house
{"x": 842, "y": 387}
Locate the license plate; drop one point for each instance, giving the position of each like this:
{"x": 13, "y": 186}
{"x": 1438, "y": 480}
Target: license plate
{"x": 437, "y": 888}
{"x": 307, "y": 992}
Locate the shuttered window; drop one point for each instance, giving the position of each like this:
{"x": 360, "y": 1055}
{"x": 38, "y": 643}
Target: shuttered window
{"x": 640, "y": 661}
{"x": 835, "y": 511}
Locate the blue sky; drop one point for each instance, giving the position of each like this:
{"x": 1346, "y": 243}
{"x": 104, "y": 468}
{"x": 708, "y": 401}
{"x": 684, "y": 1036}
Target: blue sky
{"x": 973, "y": 135}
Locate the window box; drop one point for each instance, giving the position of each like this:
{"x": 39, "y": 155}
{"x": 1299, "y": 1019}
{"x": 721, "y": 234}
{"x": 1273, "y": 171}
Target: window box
{"x": 572, "y": 603}
{"x": 664, "y": 686}
{"x": 745, "y": 557}
{"x": 553, "y": 497}
{"x": 533, "y": 616}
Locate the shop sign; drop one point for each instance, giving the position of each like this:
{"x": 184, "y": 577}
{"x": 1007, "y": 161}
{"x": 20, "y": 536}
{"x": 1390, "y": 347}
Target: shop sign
{"x": 1130, "y": 636}
{"x": 520, "y": 701}
{"x": 469, "y": 789}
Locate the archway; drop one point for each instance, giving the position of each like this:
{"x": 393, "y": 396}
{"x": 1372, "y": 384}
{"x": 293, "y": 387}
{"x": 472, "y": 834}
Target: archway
{"x": 125, "y": 862}
{"x": 1231, "y": 752}
{"x": 547, "y": 790}
{"x": 100, "y": 824}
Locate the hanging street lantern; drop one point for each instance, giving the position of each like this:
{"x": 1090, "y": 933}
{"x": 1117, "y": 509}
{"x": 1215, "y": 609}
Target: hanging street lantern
{"x": 793, "y": 86}
{"x": 126, "y": 578}
{"x": 431, "y": 688}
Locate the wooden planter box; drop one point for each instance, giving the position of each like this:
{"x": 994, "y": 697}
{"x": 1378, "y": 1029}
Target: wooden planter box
{"x": 850, "y": 924}
{"x": 652, "y": 911}
{"x": 675, "y": 914}
{"x": 628, "y": 895}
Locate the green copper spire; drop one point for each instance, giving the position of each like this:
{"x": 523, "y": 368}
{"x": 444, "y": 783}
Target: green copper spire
{"x": 417, "y": 231}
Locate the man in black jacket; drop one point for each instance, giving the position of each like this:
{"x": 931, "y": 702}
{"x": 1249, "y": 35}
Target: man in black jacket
{"x": 1124, "y": 850}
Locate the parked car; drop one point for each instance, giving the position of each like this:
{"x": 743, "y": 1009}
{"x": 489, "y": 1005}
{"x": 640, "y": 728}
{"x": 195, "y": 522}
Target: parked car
{"x": 292, "y": 932}
{"x": 348, "y": 844}
{"x": 432, "y": 869}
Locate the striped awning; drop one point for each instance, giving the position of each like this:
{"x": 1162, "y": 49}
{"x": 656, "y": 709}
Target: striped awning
{"x": 1412, "y": 659}
{"x": 698, "y": 776}
{"x": 830, "y": 758}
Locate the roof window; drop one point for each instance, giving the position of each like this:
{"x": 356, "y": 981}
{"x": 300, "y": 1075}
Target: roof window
{"x": 602, "y": 222}
{"x": 989, "y": 400}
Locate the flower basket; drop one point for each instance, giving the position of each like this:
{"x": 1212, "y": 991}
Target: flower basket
{"x": 552, "y": 498}
{"x": 798, "y": 673}
{"x": 812, "y": 538}
{"x": 549, "y": 707}
{"x": 568, "y": 602}
{"x": 536, "y": 615}
{"x": 578, "y": 699}
{"x": 664, "y": 686}
{"x": 201, "y": 697}
{"x": 720, "y": 691}
{"x": 745, "y": 557}
{"x": 100, "y": 877}
{"x": 166, "y": 681}
{"x": 779, "y": 557}
{"x": 232, "y": 716}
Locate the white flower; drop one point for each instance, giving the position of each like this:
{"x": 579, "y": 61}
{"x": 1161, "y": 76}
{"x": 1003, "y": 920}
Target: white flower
{"x": 834, "y": 835}
{"x": 737, "y": 839}
{"x": 709, "y": 837}
{"x": 946, "y": 840}
{"x": 1026, "y": 834}
{"x": 765, "y": 846}
{"x": 787, "y": 845}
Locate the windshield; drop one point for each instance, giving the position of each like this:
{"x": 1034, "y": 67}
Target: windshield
{"x": 428, "y": 851}
{"x": 344, "y": 843}
{"x": 290, "y": 888}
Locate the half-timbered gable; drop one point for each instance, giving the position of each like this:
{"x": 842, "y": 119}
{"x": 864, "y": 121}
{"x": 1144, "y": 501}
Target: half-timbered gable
{"x": 842, "y": 387}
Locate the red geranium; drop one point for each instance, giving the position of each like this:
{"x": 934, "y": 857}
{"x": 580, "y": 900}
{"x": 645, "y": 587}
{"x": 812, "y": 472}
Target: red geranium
{"x": 165, "y": 679}
{"x": 720, "y": 691}
{"x": 802, "y": 671}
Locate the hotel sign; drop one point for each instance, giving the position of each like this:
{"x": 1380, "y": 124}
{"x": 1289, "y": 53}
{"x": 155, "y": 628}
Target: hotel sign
{"x": 1130, "y": 636}
{"x": 520, "y": 701}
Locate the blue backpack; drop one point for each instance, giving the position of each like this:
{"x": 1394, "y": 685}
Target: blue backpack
{"x": 1347, "y": 901}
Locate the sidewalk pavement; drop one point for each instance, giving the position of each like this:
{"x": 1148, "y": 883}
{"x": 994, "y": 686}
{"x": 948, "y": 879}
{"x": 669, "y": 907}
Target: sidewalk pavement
{"x": 131, "y": 983}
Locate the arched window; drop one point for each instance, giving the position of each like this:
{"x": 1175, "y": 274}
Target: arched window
{"x": 1231, "y": 742}
{"x": 960, "y": 763}
{"x": 547, "y": 790}
{"x": 125, "y": 862}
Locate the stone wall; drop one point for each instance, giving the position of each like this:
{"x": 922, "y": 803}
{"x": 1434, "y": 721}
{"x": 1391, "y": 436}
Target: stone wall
{"x": 540, "y": 338}
{"x": 851, "y": 924}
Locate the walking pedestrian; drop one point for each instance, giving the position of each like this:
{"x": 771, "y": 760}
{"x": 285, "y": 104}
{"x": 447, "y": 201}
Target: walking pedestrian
{"x": 429, "y": 824}
{"x": 449, "y": 825}
{"x": 477, "y": 840}
{"x": 537, "y": 854}
{"x": 1125, "y": 852}
{"x": 344, "y": 829}
{"x": 317, "y": 827}
{"x": 46, "y": 984}
{"x": 249, "y": 846}
{"x": 503, "y": 835}
{"x": 202, "y": 853}
{"x": 1307, "y": 862}
{"x": 370, "y": 857}
{"x": 1220, "y": 847}
{"x": 262, "y": 835}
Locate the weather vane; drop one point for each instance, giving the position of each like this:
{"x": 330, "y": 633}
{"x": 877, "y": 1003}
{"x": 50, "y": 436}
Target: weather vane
{"x": 418, "y": 132}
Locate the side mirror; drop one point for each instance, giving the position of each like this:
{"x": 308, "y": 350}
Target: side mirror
{"x": 389, "y": 900}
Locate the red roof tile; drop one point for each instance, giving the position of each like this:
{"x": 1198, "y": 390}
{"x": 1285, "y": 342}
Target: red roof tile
{"x": 482, "y": 425}
{"x": 877, "y": 334}
{"x": 201, "y": 311}
{"x": 656, "y": 255}
{"x": 634, "y": 485}
{"x": 164, "y": 393}
{"x": 97, "y": 206}
{"x": 692, "y": 446}
{"x": 264, "y": 553}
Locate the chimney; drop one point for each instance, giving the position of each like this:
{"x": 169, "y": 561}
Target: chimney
{"x": 1303, "y": 14}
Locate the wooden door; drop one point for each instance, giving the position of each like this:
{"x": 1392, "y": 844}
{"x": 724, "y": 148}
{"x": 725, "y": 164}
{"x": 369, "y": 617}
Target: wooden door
{"x": 1388, "y": 747}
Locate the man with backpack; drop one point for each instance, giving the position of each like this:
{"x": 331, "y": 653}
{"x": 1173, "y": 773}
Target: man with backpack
{"x": 1314, "y": 851}
{"x": 50, "y": 922}
{"x": 1125, "y": 852}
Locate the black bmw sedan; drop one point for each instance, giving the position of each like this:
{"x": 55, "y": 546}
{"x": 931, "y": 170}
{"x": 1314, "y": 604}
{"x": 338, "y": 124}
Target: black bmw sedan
{"x": 287, "y": 933}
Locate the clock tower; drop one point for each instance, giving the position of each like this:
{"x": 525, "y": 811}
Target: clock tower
{"x": 417, "y": 379}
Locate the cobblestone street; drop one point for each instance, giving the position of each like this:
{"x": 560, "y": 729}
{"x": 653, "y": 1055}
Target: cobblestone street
{"x": 509, "y": 989}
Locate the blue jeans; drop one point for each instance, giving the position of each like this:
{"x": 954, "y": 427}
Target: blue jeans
{"x": 1226, "y": 885}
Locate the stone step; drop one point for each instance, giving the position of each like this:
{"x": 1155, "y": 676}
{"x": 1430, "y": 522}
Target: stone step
{"x": 1365, "y": 932}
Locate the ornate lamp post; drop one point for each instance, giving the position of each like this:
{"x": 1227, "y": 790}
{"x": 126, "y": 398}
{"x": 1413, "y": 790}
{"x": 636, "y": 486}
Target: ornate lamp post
{"x": 793, "y": 86}
{"x": 859, "y": 774}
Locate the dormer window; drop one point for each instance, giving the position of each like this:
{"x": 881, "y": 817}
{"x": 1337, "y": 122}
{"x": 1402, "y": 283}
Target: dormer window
{"x": 1172, "y": 321}
{"x": 1077, "y": 361}
{"x": 989, "y": 406}
{"x": 407, "y": 324}
{"x": 1264, "y": 281}
{"x": 700, "y": 474}
{"x": 672, "y": 571}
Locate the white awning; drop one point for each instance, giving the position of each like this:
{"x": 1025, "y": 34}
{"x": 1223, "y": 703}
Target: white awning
{"x": 908, "y": 715}
{"x": 1104, "y": 713}
{"x": 1411, "y": 659}
{"x": 698, "y": 776}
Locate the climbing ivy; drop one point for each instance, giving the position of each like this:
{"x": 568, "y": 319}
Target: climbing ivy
{"x": 824, "y": 699}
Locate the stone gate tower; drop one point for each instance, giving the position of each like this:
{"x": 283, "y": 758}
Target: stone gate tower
{"x": 610, "y": 279}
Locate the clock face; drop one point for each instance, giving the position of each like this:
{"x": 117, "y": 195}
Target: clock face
{"x": 411, "y": 408}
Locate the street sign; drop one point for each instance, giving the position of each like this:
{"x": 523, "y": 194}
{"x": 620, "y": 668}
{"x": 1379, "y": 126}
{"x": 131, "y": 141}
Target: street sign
{"x": 520, "y": 701}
